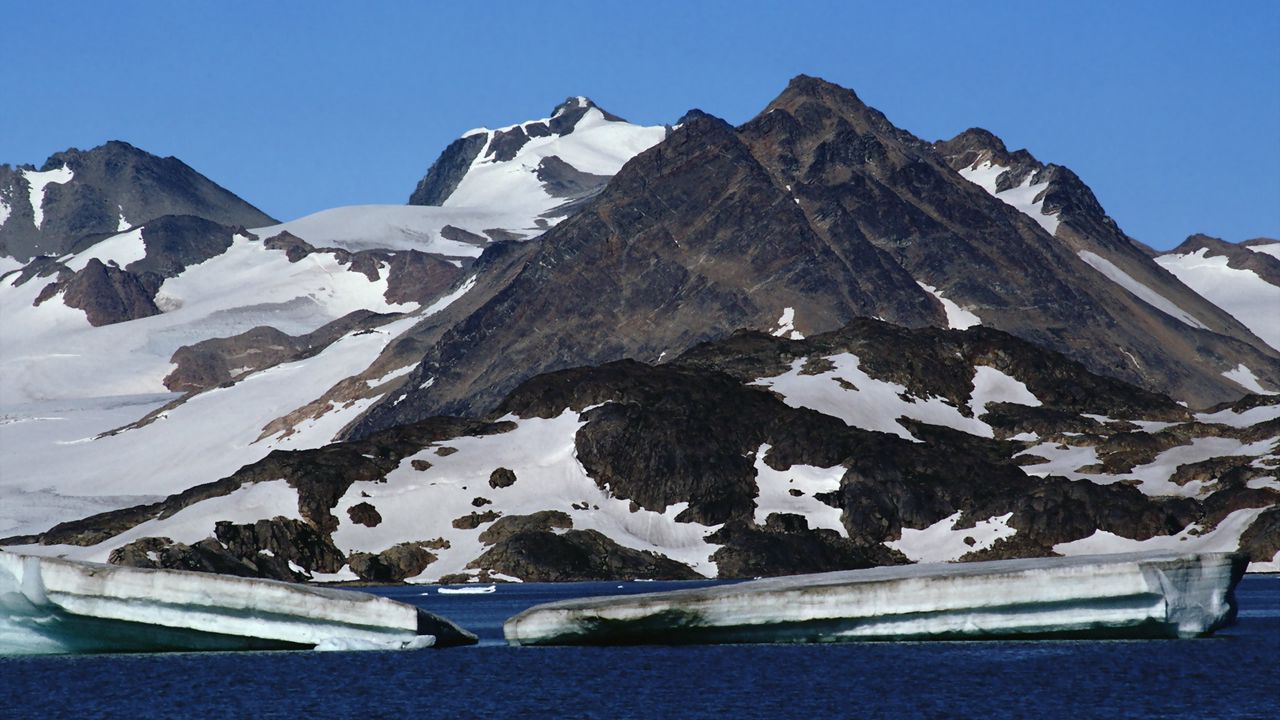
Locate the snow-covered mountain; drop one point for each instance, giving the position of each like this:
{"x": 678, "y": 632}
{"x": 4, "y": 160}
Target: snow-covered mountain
{"x": 185, "y": 370}
{"x": 1242, "y": 279}
{"x": 93, "y": 340}
{"x": 512, "y": 183}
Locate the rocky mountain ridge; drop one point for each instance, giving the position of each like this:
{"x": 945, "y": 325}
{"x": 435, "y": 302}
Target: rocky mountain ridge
{"x": 818, "y": 210}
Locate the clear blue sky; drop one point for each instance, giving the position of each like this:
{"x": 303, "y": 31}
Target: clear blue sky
{"x": 1170, "y": 111}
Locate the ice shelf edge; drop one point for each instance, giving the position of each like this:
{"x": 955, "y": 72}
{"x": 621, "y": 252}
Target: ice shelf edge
{"x": 1102, "y": 596}
{"x": 51, "y": 605}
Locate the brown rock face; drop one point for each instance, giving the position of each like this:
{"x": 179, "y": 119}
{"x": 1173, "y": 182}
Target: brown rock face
{"x": 394, "y": 564}
{"x": 364, "y": 514}
{"x": 501, "y": 478}
{"x": 109, "y": 295}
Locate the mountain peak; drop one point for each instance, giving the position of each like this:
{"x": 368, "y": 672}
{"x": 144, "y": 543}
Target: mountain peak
{"x": 805, "y": 88}
{"x": 567, "y": 113}
{"x": 978, "y": 144}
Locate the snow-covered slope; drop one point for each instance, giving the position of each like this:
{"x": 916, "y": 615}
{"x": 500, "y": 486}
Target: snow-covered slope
{"x": 597, "y": 144}
{"x": 1242, "y": 280}
{"x": 67, "y": 380}
{"x": 50, "y": 351}
{"x": 509, "y": 183}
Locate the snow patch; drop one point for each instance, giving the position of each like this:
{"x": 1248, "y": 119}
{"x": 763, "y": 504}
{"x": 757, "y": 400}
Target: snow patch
{"x": 787, "y": 325}
{"x": 1152, "y": 478}
{"x": 1026, "y": 198}
{"x": 957, "y": 317}
{"x": 848, "y": 393}
{"x": 941, "y": 542}
{"x": 776, "y": 486}
{"x": 994, "y": 386}
{"x": 118, "y": 250}
{"x": 1249, "y": 417}
{"x": 548, "y": 477}
{"x": 1138, "y": 290}
{"x": 1272, "y": 249}
{"x": 1245, "y": 378}
{"x": 38, "y": 181}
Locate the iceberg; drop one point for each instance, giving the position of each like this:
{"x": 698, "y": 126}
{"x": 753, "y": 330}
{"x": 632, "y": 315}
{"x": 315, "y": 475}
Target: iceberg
{"x": 1141, "y": 595}
{"x": 51, "y": 605}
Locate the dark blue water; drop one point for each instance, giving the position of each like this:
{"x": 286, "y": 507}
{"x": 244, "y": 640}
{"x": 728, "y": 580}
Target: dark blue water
{"x": 1235, "y": 674}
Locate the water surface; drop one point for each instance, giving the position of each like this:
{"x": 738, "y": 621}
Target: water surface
{"x": 1235, "y": 674}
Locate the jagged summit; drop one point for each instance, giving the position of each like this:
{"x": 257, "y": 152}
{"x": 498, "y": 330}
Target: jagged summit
{"x": 567, "y": 156}
{"x": 977, "y": 145}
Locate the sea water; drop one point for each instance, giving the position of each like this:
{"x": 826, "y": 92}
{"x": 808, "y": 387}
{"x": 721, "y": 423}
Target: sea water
{"x": 1235, "y": 674}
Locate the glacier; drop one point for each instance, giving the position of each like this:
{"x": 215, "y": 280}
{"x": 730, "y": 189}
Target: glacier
{"x": 56, "y": 606}
{"x": 1140, "y": 595}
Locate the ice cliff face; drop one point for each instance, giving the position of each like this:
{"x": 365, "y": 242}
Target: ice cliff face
{"x": 58, "y": 606}
{"x": 1108, "y": 596}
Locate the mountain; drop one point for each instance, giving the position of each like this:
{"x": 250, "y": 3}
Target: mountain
{"x": 78, "y": 194}
{"x": 815, "y": 212}
{"x": 512, "y": 183}
{"x": 154, "y": 355}
{"x": 186, "y": 372}
{"x": 754, "y": 455}
{"x": 1243, "y": 279}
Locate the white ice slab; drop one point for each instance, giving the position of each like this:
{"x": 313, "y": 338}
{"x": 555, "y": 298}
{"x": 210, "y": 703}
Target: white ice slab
{"x": 48, "y": 605}
{"x": 1140, "y": 595}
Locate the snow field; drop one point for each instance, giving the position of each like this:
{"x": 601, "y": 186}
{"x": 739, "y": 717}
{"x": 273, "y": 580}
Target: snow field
{"x": 1272, "y": 249}
{"x": 1247, "y": 297}
{"x": 51, "y": 351}
{"x": 118, "y": 250}
{"x": 596, "y": 145}
{"x": 208, "y": 437}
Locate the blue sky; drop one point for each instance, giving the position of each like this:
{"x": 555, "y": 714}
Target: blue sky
{"x": 1170, "y": 111}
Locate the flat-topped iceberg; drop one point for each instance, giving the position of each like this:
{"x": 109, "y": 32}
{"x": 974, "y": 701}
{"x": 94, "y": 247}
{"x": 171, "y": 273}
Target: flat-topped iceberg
{"x": 49, "y": 605}
{"x": 1112, "y": 596}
